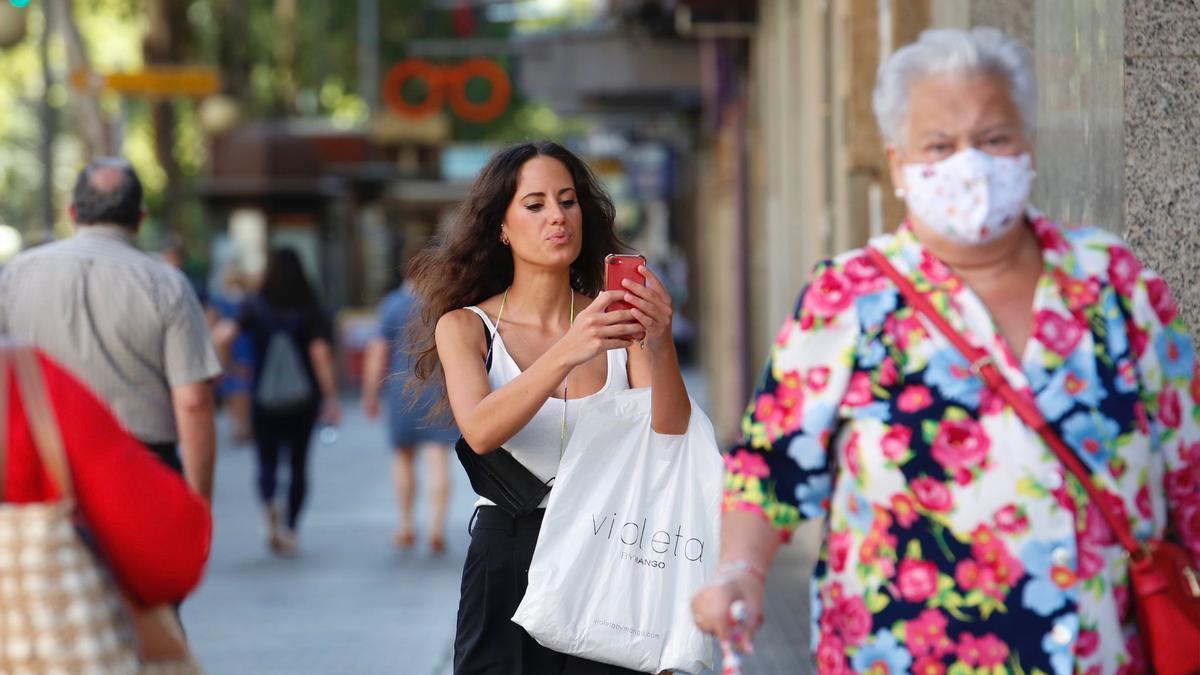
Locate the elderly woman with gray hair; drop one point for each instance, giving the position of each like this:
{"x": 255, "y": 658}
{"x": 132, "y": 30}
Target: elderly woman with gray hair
{"x": 956, "y": 538}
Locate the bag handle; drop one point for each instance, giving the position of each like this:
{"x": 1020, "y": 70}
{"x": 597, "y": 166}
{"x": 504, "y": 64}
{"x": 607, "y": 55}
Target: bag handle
{"x": 43, "y": 426}
{"x": 982, "y": 365}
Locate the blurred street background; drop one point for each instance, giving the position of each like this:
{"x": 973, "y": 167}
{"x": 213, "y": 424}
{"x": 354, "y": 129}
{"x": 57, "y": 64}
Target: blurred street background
{"x": 736, "y": 137}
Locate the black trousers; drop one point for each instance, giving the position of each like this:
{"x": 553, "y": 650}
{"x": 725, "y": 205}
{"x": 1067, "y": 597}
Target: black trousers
{"x": 272, "y": 433}
{"x": 495, "y": 576}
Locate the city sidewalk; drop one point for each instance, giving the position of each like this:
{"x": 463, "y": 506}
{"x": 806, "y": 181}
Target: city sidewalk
{"x": 351, "y": 603}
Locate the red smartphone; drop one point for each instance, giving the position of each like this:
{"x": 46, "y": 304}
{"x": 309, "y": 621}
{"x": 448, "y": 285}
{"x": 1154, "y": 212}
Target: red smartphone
{"x": 617, "y": 268}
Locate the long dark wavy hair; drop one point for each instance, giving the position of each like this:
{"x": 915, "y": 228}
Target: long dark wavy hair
{"x": 285, "y": 286}
{"x": 470, "y": 264}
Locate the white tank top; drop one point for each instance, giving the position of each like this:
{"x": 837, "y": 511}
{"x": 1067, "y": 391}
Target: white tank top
{"x": 537, "y": 444}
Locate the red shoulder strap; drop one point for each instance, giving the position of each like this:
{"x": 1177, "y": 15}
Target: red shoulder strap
{"x": 983, "y": 366}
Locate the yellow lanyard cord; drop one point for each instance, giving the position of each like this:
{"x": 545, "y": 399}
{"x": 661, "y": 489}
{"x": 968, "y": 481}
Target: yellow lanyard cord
{"x": 562, "y": 434}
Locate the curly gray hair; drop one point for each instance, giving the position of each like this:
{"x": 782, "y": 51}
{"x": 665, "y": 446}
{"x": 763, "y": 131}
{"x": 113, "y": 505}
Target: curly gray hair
{"x": 980, "y": 51}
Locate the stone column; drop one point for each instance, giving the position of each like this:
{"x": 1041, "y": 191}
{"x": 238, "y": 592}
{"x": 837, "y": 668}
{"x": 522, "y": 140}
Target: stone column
{"x": 1162, "y": 143}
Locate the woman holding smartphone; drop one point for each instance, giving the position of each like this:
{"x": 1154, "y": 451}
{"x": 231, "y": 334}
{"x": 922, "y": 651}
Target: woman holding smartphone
{"x": 522, "y": 344}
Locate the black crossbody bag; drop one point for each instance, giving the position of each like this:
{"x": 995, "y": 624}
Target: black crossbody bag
{"x": 497, "y": 476}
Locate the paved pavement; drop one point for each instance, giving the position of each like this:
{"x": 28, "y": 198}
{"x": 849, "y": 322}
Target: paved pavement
{"x": 351, "y": 603}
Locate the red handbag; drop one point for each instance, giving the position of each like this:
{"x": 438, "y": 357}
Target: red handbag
{"x": 1166, "y": 588}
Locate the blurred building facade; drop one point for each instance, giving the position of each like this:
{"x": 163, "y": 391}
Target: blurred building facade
{"x": 793, "y": 168}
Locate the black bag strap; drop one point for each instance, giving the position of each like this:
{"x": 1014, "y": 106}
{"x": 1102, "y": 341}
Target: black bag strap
{"x": 487, "y": 335}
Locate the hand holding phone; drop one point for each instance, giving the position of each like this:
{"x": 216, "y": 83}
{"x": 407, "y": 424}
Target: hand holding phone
{"x": 617, "y": 268}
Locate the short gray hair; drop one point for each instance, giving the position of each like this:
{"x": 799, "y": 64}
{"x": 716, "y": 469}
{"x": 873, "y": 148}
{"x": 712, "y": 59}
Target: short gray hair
{"x": 980, "y": 51}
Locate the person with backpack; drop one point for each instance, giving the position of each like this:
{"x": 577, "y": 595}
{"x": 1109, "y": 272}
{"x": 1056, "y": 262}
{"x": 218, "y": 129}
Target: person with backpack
{"x": 293, "y": 384}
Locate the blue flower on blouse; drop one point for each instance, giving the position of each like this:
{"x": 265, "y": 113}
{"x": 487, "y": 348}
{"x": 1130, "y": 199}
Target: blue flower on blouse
{"x": 808, "y": 452}
{"x": 812, "y": 495}
{"x": 883, "y": 647}
{"x": 871, "y": 354}
{"x": 817, "y": 418}
{"x": 874, "y": 308}
{"x": 1075, "y": 382}
{"x": 1117, "y": 334}
{"x": 950, "y": 373}
{"x": 1175, "y": 353}
{"x": 1061, "y": 651}
{"x": 1092, "y": 435}
{"x": 1041, "y": 594}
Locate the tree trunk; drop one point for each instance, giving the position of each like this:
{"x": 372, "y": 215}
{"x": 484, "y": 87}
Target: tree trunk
{"x": 97, "y": 139}
{"x": 165, "y": 41}
{"x": 49, "y": 120}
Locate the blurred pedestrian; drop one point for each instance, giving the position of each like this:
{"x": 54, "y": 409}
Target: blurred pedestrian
{"x": 294, "y": 384}
{"x": 233, "y": 387}
{"x": 387, "y": 371}
{"x": 129, "y": 324}
{"x": 61, "y": 445}
{"x": 525, "y": 345}
{"x": 956, "y": 538}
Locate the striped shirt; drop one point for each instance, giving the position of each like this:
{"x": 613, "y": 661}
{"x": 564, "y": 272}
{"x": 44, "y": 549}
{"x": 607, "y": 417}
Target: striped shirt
{"x": 125, "y": 322}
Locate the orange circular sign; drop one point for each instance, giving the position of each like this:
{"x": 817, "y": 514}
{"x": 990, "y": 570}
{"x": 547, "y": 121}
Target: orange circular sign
{"x": 449, "y": 81}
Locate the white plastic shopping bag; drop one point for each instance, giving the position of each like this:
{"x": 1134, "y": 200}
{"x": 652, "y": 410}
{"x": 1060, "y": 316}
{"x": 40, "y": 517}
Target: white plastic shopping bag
{"x": 629, "y": 535}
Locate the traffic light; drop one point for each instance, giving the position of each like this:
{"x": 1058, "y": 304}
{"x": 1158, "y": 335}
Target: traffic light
{"x": 19, "y": 3}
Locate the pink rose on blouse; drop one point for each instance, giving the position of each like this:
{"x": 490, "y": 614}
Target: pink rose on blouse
{"x": 818, "y": 378}
{"x": 925, "y": 636}
{"x": 932, "y": 494}
{"x": 918, "y": 579}
{"x": 829, "y": 294}
{"x": 888, "y": 374}
{"x": 1188, "y": 517}
{"x": 1123, "y": 269}
{"x": 1059, "y": 333}
{"x": 831, "y": 656}
{"x": 935, "y": 270}
{"x": 966, "y": 573}
{"x": 1169, "y": 412}
{"x": 747, "y": 463}
{"x": 914, "y": 398}
{"x": 929, "y": 665}
{"x": 1049, "y": 235}
{"x": 1121, "y": 597}
{"x": 983, "y": 652}
{"x": 1086, "y": 643}
{"x": 1079, "y": 293}
{"x": 1142, "y": 419}
{"x": 1142, "y": 500}
{"x": 859, "y": 392}
{"x": 905, "y": 509}
{"x": 851, "y": 620}
{"x": 1138, "y": 339}
{"x": 904, "y": 331}
{"x": 961, "y": 446}
{"x": 896, "y": 442}
{"x": 1011, "y": 520}
{"x": 839, "y": 550}
{"x": 790, "y": 390}
{"x": 863, "y": 274}
{"x": 1137, "y": 659}
{"x": 1161, "y": 300}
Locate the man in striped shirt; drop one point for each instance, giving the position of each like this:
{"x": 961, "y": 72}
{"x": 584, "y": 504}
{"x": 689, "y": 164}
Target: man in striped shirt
{"x": 125, "y": 322}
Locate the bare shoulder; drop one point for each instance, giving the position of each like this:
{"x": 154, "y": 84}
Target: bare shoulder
{"x": 457, "y": 325}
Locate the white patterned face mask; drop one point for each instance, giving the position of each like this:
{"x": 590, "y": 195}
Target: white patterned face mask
{"x": 970, "y": 197}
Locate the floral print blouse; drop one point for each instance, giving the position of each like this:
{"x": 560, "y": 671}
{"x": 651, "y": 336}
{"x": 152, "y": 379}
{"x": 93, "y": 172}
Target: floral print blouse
{"x": 956, "y": 542}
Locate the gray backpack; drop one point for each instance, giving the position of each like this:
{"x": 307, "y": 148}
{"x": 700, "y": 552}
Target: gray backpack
{"x": 283, "y": 383}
